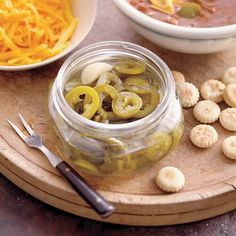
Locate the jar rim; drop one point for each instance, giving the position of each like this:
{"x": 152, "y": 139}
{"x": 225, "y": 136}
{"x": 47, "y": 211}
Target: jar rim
{"x": 76, "y": 119}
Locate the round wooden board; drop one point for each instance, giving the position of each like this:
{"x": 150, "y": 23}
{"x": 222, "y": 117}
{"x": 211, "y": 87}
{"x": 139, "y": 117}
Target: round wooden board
{"x": 210, "y": 177}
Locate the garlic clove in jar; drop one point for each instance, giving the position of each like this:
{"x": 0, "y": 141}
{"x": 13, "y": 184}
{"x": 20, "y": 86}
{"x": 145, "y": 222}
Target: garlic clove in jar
{"x": 93, "y": 71}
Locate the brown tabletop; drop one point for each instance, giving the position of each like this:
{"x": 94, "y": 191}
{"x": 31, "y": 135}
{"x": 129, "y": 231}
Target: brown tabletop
{"x": 21, "y": 214}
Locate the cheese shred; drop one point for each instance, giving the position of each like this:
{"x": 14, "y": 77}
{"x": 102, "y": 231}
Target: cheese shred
{"x": 165, "y": 6}
{"x": 34, "y": 30}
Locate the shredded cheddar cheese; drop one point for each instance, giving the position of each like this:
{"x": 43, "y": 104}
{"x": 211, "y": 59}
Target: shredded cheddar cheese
{"x": 165, "y": 6}
{"x": 34, "y": 30}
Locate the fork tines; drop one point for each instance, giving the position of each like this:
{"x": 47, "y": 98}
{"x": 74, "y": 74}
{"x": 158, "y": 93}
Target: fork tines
{"x": 25, "y": 124}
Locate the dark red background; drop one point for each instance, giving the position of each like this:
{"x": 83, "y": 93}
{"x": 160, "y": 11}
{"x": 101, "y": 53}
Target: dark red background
{"x": 21, "y": 214}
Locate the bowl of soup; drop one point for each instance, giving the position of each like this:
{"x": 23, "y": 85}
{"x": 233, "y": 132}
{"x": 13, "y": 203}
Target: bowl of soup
{"x": 184, "y": 26}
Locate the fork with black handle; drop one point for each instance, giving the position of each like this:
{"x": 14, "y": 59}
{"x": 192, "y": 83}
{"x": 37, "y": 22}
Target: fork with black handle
{"x": 99, "y": 204}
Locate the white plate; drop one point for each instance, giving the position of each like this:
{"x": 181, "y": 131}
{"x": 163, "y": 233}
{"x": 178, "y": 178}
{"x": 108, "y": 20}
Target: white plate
{"x": 85, "y": 11}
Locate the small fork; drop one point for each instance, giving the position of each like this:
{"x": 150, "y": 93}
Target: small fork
{"x": 99, "y": 204}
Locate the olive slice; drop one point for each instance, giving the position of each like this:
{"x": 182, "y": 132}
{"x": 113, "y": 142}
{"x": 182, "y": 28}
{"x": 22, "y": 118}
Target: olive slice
{"x": 189, "y": 10}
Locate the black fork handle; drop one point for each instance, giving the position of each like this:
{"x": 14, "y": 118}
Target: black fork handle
{"x": 99, "y": 204}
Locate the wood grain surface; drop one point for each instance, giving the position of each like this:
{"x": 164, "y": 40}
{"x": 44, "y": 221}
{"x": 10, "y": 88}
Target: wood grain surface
{"x": 210, "y": 177}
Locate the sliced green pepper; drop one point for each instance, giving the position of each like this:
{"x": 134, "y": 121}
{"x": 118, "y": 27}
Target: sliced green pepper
{"x": 126, "y": 105}
{"x": 73, "y": 97}
{"x": 137, "y": 80}
{"x": 149, "y": 103}
{"x": 150, "y": 98}
{"x": 111, "y": 79}
{"x": 140, "y": 90}
{"x": 176, "y": 135}
{"x": 86, "y": 165}
{"x": 105, "y": 89}
{"x": 121, "y": 164}
{"x": 87, "y": 100}
{"x": 159, "y": 144}
{"x": 116, "y": 145}
{"x": 109, "y": 115}
{"x": 130, "y": 67}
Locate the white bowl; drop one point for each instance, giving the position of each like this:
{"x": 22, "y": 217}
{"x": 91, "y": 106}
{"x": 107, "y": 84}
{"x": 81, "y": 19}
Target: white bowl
{"x": 85, "y": 11}
{"x": 179, "y": 38}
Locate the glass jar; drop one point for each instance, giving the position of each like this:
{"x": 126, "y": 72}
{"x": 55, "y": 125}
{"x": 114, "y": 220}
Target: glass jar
{"x": 117, "y": 149}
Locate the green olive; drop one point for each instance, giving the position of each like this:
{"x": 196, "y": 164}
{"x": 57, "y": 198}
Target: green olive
{"x": 130, "y": 67}
{"x": 190, "y": 10}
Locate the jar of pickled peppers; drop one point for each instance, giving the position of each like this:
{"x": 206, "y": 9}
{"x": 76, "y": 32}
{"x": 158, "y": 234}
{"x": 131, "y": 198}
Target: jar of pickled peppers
{"x": 119, "y": 120}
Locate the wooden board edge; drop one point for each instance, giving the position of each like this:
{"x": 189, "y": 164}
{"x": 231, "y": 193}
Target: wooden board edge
{"x": 118, "y": 218}
{"x": 153, "y": 204}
